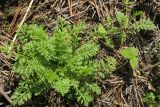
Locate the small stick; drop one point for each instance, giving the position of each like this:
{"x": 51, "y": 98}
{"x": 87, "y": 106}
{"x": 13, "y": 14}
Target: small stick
{"x": 5, "y": 95}
{"x": 149, "y": 67}
{"x": 70, "y": 7}
{"x": 27, "y": 11}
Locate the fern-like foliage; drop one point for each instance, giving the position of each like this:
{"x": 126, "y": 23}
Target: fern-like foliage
{"x": 123, "y": 25}
{"x": 144, "y": 24}
{"x": 58, "y": 62}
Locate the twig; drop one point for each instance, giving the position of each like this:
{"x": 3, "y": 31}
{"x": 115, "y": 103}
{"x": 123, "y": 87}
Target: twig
{"x": 27, "y": 11}
{"x": 70, "y": 7}
{"x": 5, "y": 95}
{"x": 149, "y": 67}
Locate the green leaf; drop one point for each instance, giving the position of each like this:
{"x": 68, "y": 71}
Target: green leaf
{"x": 131, "y": 53}
{"x": 22, "y": 94}
{"x": 31, "y": 32}
{"x": 51, "y": 76}
{"x": 107, "y": 66}
{"x": 113, "y": 30}
{"x": 84, "y": 98}
{"x": 123, "y": 37}
{"x": 62, "y": 86}
{"x": 122, "y": 19}
{"x": 87, "y": 50}
{"x": 134, "y": 63}
{"x": 77, "y": 28}
{"x": 101, "y": 75}
{"x": 4, "y": 49}
{"x": 101, "y": 30}
{"x": 21, "y": 97}
{"x": 109, "y": 20}
{"x": 111, "y": 63}
{"x": 110, "y": 43}
{"x": 137, "y": 13}
{"x": 144, "y": 24}
{"x": 149, "y": 98}
{"x": 95, "y": 88}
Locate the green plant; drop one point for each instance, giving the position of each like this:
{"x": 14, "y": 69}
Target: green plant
{"x": 123, "y": 25}
{"x": 4, "y": 48}
{"x": 149, "y": 98}
{"x": 120, "y": 28}
{"x": 59, "y": 62}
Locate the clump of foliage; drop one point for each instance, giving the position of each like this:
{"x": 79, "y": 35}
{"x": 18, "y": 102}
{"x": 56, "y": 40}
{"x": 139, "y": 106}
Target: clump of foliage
{"x": 59, "y": 62}
{"x": 124, "y": 25}
{"x": 149, "y": 99}
{"x": 119, "y": 29}
{"x": 4, "y": 49}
